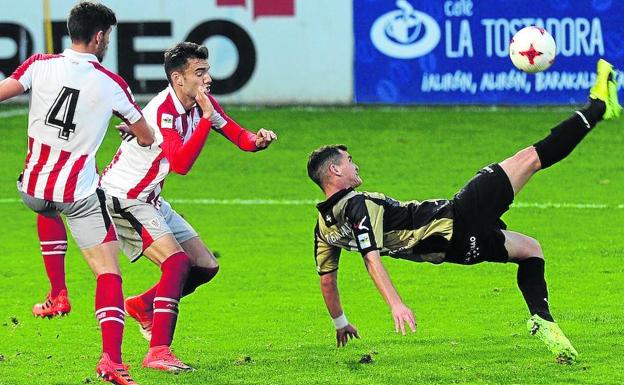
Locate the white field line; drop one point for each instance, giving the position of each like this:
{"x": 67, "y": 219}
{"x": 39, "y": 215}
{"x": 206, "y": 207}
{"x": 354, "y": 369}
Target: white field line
{"x": 312, "y": 202}
{"x": 11, "y": 113}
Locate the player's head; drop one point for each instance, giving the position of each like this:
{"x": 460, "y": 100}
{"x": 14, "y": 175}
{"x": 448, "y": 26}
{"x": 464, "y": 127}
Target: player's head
{"x": 90, "y": 24}
{"x": 332, "y": 165}
{"x": 186, "y": 66}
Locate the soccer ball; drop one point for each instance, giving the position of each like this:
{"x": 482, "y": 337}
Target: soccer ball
{"x": 532, "y": 49}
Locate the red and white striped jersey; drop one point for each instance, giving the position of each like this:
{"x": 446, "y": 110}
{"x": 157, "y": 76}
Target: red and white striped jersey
{"x": 72, "y": 98}
{"x": 139, "y": 172}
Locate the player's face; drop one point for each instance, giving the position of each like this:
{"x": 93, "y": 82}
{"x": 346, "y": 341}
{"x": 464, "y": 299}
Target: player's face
{"x": 102, "y": 44}
{"x": 196, "y": 76}
{"x": 350, "y": 170}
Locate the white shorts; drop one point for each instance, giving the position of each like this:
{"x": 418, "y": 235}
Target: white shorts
{"x": 139, "y": 224}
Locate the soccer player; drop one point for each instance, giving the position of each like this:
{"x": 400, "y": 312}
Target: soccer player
{"x": 72, "y": 98}
{"x": 465, "y": 230}
{"x": 184, "y": 114}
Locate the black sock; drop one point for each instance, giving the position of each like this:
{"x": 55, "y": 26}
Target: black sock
{"x": 533, "y": 287}
{"x": 198, "y": 276}
{"x": 569, "y": 133}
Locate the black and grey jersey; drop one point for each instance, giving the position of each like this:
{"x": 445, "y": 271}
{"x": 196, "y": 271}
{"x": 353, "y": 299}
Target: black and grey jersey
{"x": 365, "y": 221}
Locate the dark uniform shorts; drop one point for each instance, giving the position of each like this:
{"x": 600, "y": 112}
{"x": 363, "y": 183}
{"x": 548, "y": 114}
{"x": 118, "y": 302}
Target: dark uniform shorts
{"x": 478, "y": 206}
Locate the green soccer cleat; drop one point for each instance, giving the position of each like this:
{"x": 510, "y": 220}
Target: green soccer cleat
{"x": 605, "y": 89}
{"x": 550, "y": 334}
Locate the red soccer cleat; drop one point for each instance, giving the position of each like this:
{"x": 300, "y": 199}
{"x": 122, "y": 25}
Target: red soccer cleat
{"x": 135, "y": 307}
{"x": 162, "y": 358}
{"x": 52, "y": 307}
{"x": 113, "y": 372}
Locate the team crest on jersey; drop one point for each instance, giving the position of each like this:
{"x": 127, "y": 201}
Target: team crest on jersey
{"x": 166, "y": 121}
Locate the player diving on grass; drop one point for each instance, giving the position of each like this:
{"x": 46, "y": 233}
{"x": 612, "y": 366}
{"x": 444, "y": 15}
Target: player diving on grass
{"x": 464, "y": 230}
{"x": 184, "y": 114}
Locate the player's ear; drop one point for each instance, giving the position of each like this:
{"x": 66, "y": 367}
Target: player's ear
{"x": 99, "y": 37}
{"x": 176, "y": 78}
{"x": 335, "y": 169}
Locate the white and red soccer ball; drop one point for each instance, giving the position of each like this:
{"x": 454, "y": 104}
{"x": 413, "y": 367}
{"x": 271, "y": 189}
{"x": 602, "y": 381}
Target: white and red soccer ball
{"x": 532, "y": 49}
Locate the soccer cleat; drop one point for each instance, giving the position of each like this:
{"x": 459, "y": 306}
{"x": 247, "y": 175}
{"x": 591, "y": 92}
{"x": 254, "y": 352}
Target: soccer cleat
{"x": 605, "y": 89}
{"x": 136, "y": 309}
{"x": 550, "y": 334}
{"x": 52, "y": 307}
{"x": 113, "y": 372}
{"x": 162, "y": 358}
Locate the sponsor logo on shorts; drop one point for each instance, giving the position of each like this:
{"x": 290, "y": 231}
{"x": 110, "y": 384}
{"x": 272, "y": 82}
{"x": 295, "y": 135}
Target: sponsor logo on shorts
{"x": 473, "y": 252}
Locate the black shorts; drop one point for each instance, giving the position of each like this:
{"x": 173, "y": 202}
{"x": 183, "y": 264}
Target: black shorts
{"x": 478, "y": 206}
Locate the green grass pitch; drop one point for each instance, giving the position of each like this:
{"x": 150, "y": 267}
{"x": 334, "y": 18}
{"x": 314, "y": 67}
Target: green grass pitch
{"x": 262, "y": 320}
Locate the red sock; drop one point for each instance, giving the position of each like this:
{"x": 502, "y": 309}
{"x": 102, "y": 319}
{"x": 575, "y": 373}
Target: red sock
{"x": 148, "y": 297}
{"x": 109, "y": 313}
{"x": 174, "y": 272}
{"x": 53, "y": 241}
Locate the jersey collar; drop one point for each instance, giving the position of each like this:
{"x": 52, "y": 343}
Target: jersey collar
{"x": 70, "y": 53}
{"x": 328, "y": 204}
{"x": 176, "y": 102}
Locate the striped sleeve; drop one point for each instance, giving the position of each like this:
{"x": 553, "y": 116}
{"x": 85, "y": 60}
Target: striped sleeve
{"x": 124, "y": 105}
{"x": 24, "y": 73}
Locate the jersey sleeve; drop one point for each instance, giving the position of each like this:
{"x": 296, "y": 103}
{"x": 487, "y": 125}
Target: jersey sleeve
{"x": 124, "y": 105}
{"x": 226, "y": 126}
{"x": 24, "y": 73}
{"x": 366, "y": 220}
{"x": 326, "y": 255}
{"x": 182, "y": 156}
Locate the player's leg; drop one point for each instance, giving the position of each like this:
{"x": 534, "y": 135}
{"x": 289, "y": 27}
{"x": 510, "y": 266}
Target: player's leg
{"x": 94, "y": 232}
{"x": 603, "y": 104}
{"x": 144, "y": 231}
{"x": 53, "y": 241}
{"x": 175, "y": 265}
{"x": 204, "y": 265}
{"x": 527, "y": 253}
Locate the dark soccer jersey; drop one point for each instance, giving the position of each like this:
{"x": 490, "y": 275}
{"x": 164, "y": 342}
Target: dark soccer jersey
{"x": 363, "y": 221}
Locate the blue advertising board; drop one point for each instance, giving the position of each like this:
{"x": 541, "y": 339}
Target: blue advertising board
{"x": 457, "y": 51}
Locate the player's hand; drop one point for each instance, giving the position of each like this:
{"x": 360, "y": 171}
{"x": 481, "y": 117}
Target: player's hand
{"x": 264, "y": 138}
{"x": 204, "y": 102}
{"x": 401, "y": 315}
{"x": 124, "y": 132}
{"x": 345, "y": 334}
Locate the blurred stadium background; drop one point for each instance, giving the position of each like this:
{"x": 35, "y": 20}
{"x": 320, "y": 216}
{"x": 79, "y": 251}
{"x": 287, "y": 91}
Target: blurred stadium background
{"x": 424, "y": 94}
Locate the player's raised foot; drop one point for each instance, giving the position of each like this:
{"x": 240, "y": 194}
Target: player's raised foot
{"x": 551, "y": 335}
{"x": 142, "y": 313}
{"x": 113, "y": 372}
{"x": 605, "y": 89}
{"x": 162, "y": 358}
{"x": 52, "y": 307}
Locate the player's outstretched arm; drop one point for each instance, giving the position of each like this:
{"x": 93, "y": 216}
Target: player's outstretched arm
{"x": 400, "y": 313}
{"x": 143, "y": 132}
{"x": 9, "y": 88}
{"x": 344, "y": 330}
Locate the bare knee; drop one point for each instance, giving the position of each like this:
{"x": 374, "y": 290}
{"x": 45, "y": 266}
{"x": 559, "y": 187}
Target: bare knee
{"x": 529, "y": 248}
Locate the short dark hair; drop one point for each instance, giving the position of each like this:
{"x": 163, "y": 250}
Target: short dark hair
{"x": 87, "y": 18}
{"x": 177, "y": 57}
{"x": 319, "y": 160}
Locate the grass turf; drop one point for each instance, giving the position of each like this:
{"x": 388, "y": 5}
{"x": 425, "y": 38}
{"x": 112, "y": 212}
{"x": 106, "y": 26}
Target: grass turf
{"x": 262, "y": 320}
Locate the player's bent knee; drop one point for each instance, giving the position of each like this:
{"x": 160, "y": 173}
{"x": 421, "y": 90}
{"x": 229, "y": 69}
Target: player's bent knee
{"x": 533, "y": 248}
{"x": 529, "y": 159}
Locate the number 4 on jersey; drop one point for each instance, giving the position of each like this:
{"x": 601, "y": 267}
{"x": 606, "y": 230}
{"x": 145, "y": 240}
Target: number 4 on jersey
{"x": 61, "y": 115}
